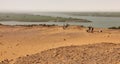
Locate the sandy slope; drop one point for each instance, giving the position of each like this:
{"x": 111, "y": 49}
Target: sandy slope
{"x": 100, "y": 53}
{"x": 16, "y": 41}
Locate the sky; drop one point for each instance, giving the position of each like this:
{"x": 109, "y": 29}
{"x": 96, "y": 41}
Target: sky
{"x": 60, "y": 5}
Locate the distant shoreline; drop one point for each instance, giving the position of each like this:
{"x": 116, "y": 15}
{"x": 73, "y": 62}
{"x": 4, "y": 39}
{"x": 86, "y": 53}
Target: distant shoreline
{"x": 94, "y": 14}
{"x": 37, "y": 18}
{"x": 45, "y": 25}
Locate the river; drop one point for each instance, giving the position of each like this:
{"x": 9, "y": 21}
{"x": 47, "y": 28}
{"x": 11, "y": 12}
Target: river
{"x": 99, "y": 22}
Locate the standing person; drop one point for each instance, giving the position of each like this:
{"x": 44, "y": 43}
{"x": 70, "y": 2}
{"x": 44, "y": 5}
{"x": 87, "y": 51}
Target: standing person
{"x": 92, "y": 30}
{"x": 89, "y": 29}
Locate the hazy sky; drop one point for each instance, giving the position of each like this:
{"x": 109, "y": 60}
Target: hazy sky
{"x": 59, "y": 5}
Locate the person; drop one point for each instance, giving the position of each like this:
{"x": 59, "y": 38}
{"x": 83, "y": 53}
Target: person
{"x": 89, "y": 29}
{"x": 92, "y": 30}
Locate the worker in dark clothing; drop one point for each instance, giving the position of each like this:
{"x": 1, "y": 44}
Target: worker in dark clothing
{"x": 92, "y": 30}
{"x": 89, "y": 29}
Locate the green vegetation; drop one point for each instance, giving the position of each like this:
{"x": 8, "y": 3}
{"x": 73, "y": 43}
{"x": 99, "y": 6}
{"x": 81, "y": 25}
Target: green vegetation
{"x": 32, "y": 25}
{"x": 36, "y": 18}
{"x": 114, "y": 27}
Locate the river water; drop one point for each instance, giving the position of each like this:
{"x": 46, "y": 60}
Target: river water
{"x": 99, "y": 22}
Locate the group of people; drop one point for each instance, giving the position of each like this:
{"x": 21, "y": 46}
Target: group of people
{"x": 90, "y": 29}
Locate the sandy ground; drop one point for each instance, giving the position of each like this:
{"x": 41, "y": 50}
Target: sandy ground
{"x": 99, "y": 53}
{"x": 16, "y": 41}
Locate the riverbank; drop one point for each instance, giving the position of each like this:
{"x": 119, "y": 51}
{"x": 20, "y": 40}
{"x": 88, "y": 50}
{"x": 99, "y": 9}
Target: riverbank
{"x": 16, "y": 41}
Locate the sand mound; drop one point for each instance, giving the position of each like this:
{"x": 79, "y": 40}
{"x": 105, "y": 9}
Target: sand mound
{"x": 102, "y": 53}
